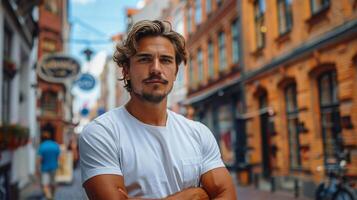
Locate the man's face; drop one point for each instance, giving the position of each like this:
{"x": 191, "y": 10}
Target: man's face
{"x": 152, "y": 69}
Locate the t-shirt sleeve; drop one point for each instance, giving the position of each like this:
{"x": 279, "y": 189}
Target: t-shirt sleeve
{"x": 211, "y": 156}
{"x": 98, "y": 152}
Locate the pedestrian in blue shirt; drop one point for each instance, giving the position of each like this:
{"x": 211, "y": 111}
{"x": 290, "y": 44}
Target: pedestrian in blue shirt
{"x": 48, "y": 154}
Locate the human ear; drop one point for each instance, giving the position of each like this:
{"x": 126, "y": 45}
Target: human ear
{"x": 126, "y": 72}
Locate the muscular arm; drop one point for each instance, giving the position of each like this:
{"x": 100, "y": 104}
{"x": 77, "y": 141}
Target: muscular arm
{"x": 105, "y": 186}
{"x": 111, "y": 187}
{"x": 219, "y": 184}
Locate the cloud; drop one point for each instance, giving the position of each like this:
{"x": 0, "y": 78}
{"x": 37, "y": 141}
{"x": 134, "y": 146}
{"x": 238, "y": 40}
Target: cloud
{"x": 140, "y": 4}
{"x": 83, "y": 2}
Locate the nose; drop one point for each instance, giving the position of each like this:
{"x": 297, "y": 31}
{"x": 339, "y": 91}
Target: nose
{"x": 156, "y": 66}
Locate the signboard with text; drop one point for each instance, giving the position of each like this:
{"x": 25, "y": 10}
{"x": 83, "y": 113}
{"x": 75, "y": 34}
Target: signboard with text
{"x": 86, "y": 82}
{"x": 58, "y": 68}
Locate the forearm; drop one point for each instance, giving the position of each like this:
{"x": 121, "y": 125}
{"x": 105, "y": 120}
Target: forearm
{"x": 196, "y": 193}
{"x": 226, "y": 192}
{"x": 187, "y": 194}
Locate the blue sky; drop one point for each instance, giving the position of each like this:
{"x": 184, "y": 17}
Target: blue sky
{"x": 95, "y": 21}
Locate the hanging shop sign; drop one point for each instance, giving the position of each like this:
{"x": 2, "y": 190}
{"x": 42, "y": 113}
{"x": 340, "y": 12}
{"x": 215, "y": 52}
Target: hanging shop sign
{"x": 58, "y": 68}
{"x": 86, "y": 82}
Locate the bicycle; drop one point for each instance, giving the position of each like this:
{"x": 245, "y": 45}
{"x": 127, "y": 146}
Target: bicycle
{"x": 336, "y": 185}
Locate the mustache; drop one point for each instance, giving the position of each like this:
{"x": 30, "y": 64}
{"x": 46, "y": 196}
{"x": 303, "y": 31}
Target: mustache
{"x": 155, "y": 78}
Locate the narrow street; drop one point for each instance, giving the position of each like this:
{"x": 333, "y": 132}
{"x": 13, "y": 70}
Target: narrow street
{"x": 74, "y": 191}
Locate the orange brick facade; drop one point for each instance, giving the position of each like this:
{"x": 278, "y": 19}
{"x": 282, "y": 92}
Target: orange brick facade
{"x": 209, "y": 71}
{"x": 50, "y": 101}
{"x": 314, "y": 58}
{"x": 280, "y": 63}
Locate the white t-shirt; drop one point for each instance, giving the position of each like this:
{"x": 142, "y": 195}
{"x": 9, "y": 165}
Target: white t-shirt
{"x": 155, "y": 161}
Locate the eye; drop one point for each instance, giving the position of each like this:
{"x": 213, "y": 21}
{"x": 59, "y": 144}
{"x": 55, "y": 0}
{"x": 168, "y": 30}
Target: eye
{"x": 144, "y": 59}
{"x": 166, "y": 61}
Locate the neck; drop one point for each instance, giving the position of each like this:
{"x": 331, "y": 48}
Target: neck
{"x": 149, "y": 113}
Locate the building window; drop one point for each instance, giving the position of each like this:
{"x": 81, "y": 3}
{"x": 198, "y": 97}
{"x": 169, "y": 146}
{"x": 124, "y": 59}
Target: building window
{"x": 210, "y": 59}
{"x": 222, "y": 51}
{"x": 7, "y": 79}
{"x": 292, "y": 113}
{"x": 191, "y": 73}
{"x": 180, "y": 75}
{"x": 318, "y": 5}
{"x": 235, "y": 41}
{"x": 330, "y": 115}
{"x": 260, "y": 29}
{"x": 219, "y": 2}
{"x": 49, "y": 103}
{"x": 208, "y": 6}
{"x": 189, "y": 20}
{"x": 200, "y": 65}
{"x": 285, "y": 16}
{"x": 198, "y": 12}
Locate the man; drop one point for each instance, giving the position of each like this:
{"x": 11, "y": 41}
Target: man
{"x": 47, "y": 161}
{"x": 142, "y": 149}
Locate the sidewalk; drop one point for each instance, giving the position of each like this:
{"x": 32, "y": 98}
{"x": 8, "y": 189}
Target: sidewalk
{"x": 250, "y": 193}
{"x": 32, "y": 191}
{"x": 71, "y": 191}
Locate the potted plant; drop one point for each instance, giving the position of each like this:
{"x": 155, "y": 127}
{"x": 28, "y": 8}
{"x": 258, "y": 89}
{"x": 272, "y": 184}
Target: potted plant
{"x": 13, "y": 136}
{"x": 9, "y": 67}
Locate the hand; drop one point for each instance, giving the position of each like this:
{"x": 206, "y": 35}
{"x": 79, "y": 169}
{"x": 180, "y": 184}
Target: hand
{"x": 196, "y": 193}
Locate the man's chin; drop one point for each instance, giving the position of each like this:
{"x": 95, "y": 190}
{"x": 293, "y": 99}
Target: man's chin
{"x": 152, "y": 97}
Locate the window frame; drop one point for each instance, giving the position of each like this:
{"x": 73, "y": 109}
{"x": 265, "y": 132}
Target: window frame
{"x": 198, "y": 12}
{"x": 208, "y": 5}
{"x": 49, "y": 104}
{"x": 292, "y": 114}
{"x": 287, "y": 16}
{"x": 210, "y": 52}
{"x": 200, "y": 65}
{"x": 259, "y": 19}
{"x": 235, "y": 40}
{"x": 191, "y": 70}
{"x": 315, "y": 9}
{"x": 189, "y": 19}
{"x": 222, "y": 51}
{"x": 329, "y": 109}
{"x": 7, "y": 80}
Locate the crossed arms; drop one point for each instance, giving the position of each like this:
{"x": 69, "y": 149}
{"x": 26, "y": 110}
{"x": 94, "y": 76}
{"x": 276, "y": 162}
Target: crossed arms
{"x": 216, "y": 184}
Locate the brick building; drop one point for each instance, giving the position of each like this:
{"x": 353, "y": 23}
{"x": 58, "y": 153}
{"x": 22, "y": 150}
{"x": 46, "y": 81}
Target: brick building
{"x": 54, "y": 99}
{"x": 276, "y": 83}
{"x": 300, "y": 88}
{"x": 214, "y": 70}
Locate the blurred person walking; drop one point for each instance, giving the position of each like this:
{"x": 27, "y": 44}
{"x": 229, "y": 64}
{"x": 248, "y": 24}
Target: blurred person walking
{"x": 47, "y": 164}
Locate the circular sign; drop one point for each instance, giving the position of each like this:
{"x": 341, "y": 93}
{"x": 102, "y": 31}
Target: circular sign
{"x": 100, "y": 111}
{"x": 84, "y": 112}
{"x": 57, "y": 68}
{"x": 86, "y": 82}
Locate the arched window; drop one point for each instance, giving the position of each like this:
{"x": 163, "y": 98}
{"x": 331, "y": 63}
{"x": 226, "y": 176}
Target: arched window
{"x": 292, "y": 117}
{"x": 49, "y": 103}
{"x": 330, "y": 116}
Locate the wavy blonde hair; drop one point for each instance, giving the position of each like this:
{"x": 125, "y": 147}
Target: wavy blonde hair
{"x": 145, "y": 28}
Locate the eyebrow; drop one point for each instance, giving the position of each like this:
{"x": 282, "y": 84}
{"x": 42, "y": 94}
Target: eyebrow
{"x": 139, "y": 55}
{"x": 143, "y": 55}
